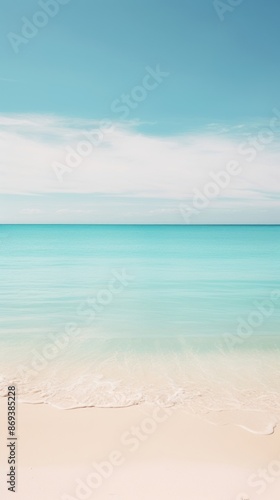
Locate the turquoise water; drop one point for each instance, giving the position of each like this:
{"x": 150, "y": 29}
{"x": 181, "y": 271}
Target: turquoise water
{"x": 194, "y": 280}
{"x": 160, "y": 292}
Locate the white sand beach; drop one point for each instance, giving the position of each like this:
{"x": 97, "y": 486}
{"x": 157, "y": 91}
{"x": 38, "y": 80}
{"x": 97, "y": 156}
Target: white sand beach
{"x": 137, "y": 453}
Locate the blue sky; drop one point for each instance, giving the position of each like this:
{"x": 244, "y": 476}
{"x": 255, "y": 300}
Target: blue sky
{"x": 221, "y": 84}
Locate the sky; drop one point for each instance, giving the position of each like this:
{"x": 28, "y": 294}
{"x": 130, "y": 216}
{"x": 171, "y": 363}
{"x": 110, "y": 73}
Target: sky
{"x": 140, "y": 112}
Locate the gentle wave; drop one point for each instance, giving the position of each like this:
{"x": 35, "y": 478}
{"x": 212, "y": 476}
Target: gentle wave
{"x": 241, "y": 388}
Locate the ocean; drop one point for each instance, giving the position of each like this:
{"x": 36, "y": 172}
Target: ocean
{"x": 95, "y": 315}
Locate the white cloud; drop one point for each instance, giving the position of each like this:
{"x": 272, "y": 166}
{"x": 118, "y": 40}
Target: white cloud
{"x": 128, "y": 163}
{"x": 30, "y": 211}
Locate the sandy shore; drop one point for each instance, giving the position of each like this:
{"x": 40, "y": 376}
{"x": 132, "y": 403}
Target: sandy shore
{"x": 137, "y": 453}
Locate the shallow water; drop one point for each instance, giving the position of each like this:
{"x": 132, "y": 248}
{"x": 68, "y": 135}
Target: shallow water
{"x": 119, "y": 315}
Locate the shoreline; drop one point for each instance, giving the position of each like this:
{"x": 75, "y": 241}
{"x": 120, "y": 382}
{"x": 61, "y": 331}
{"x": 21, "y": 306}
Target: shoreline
{"x": 259, "y": 422}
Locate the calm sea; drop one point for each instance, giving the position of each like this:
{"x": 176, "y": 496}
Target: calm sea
{"x": 155, "y": 291}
